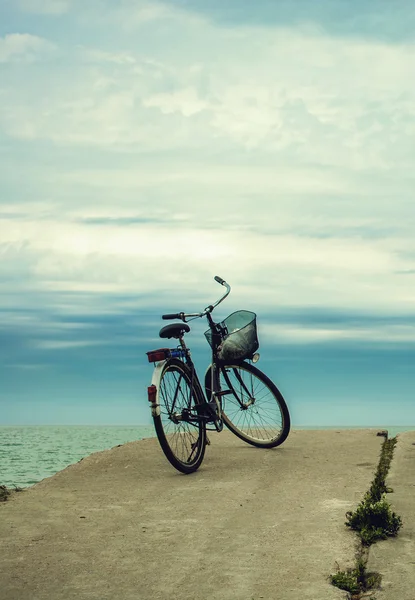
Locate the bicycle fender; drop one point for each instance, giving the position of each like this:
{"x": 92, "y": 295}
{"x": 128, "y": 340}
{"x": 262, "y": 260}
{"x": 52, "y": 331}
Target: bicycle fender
{"x": 207, "y": 371}
{"x": 208, "y": 368}
{"x": 155, "y": 380}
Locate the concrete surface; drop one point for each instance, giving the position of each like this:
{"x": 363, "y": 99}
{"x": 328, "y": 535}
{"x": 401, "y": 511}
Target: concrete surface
{"x": 250, "y": 524}
{"x": 395, "y": 558}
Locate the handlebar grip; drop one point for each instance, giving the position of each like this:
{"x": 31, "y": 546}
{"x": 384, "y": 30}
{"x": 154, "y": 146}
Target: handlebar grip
{"x": 219, "y": 279}
{"x": 171, "y": 316}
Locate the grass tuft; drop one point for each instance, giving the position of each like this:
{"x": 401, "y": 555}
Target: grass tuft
{"x": 5, "y": 492}
{"x": 356, "y": 581}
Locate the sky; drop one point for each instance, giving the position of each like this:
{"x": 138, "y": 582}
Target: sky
{"x": 147, "y": 146}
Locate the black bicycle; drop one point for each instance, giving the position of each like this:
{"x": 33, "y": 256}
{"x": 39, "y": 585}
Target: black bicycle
{"x": 236, "y": 393}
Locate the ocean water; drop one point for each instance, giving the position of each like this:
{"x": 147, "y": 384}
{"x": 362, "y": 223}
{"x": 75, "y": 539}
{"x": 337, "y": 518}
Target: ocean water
{"x": 28, "y": 454}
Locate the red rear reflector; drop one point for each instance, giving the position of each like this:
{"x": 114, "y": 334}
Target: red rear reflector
{"x": 152, "y": 393}
{"x": 156, "y": 355}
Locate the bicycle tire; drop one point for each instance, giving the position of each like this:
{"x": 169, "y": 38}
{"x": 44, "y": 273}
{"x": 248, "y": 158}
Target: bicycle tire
{"x": 254, "y": 408}
{"x": 183, "y": 443}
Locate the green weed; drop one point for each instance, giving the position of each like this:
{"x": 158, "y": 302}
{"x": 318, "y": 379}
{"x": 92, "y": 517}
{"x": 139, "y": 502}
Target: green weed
{"x": 357, "y": 580}
{"x": 373, "y": 520}
{"x": 5, "y": 492}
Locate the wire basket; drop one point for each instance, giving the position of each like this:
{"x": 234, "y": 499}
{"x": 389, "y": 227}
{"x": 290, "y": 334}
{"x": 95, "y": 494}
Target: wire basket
{"x": 239, "y": 336}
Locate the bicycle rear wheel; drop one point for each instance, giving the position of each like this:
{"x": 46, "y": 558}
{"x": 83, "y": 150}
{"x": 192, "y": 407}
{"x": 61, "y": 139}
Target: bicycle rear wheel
{"x": 253, "y": 407}
{"x": 182, "y": 442}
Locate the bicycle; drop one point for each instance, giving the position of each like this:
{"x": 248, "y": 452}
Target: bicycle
{"x": 236, "y": 393}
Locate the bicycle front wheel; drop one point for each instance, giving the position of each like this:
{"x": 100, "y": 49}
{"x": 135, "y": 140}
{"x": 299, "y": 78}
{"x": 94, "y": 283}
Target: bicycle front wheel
{"x": 182, "y": 437}
{"x": 253, "y": 407}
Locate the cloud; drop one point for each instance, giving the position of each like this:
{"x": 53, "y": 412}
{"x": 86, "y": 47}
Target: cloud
{"x": 64, "y": 344}
{"x": 72, "y": 254}
{"x": 23, "y": 47}
{"x": 184, "y": 101}
{"x": 98, "y": 56}
{"x": 144, "y": 158}
{"x": 372, "y": 335}
{"x": 278, "y": 93}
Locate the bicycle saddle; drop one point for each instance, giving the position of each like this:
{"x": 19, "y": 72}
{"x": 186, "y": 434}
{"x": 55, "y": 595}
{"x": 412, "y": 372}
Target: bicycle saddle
{"x": 175, "y": 330}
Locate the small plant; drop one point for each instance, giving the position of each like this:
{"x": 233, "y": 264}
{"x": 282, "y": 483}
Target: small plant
{"x": 378, "y": 486}
{"x": 357, "y": 580}
{"x": 346, "y": 580}
{"x": 374, "y": 520}
{"x": 4, "y": 493}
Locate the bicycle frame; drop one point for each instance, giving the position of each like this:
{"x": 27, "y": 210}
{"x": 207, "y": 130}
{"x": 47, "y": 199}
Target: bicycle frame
{"x": 213, "y": 403}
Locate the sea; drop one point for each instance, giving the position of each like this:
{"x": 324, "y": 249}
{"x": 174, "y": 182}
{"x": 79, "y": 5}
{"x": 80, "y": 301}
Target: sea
{"x": 29, "y": 454}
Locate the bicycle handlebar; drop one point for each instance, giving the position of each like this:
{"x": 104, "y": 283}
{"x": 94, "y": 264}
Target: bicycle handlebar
{"x": 182, "y": 316}
{"x": 228, "y": 289}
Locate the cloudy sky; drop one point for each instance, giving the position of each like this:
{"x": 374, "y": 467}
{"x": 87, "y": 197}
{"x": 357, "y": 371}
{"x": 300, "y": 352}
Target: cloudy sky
{"x": 147, "y": 146}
